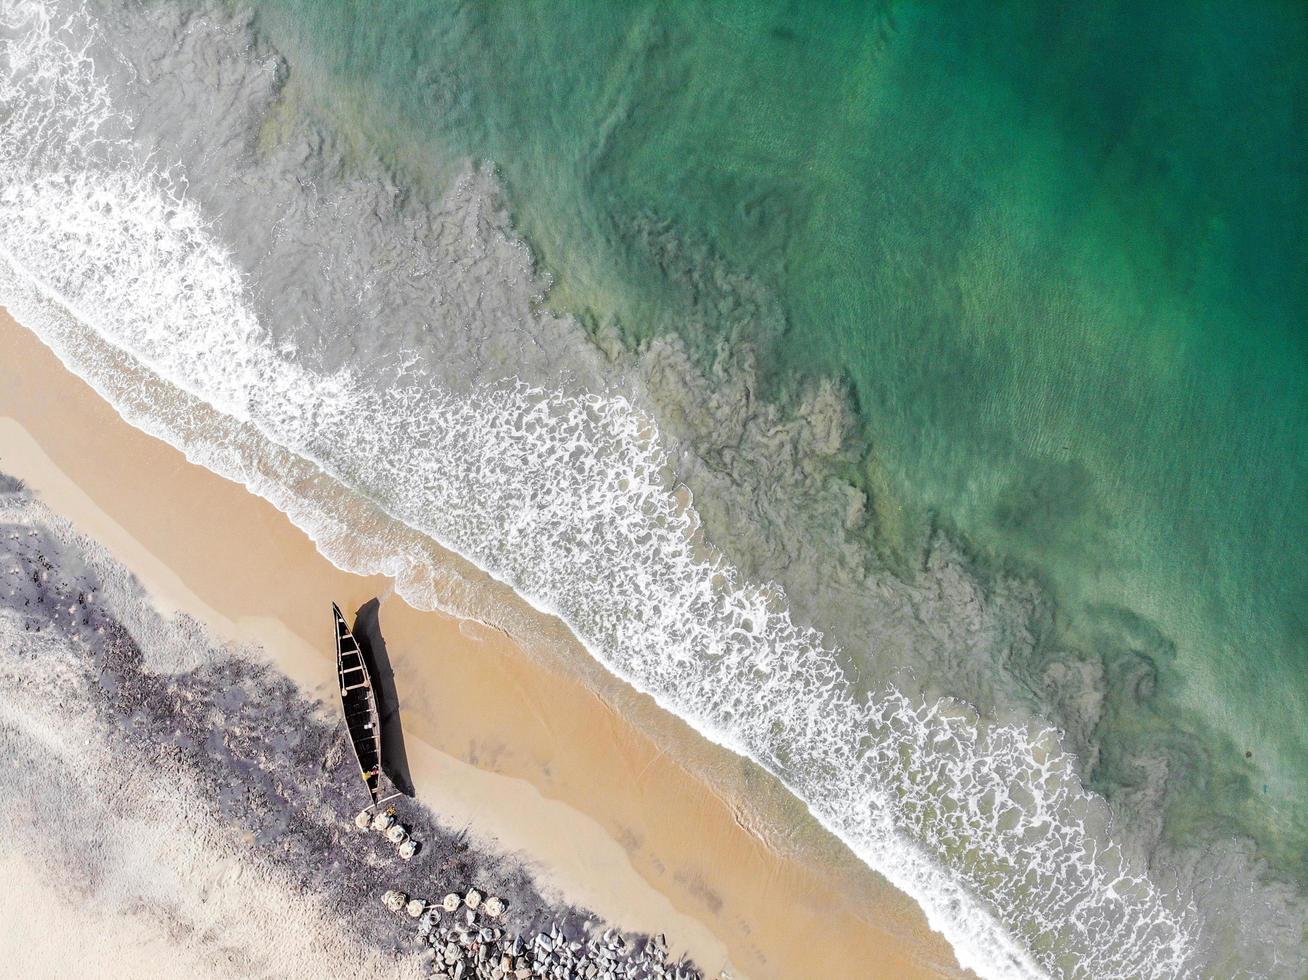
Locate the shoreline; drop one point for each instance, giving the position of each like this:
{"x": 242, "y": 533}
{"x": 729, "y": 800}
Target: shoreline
{"x": 664, "y": 849}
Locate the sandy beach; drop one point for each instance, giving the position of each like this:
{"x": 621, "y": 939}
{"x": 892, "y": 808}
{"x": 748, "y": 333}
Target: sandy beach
{"x": 653, "y": 833}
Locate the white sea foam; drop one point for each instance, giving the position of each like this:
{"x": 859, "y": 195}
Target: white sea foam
{"x": 565, "y": 497}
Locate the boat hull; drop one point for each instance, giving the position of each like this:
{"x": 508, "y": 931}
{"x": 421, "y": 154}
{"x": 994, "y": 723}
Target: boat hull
{"x": 359, "y": 704}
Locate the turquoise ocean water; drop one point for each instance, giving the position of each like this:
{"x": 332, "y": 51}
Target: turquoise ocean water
{"x": 1057, "y": 254}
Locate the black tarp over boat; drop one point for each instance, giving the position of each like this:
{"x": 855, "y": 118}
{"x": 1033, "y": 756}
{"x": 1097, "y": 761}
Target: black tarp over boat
{"x": 360, "y": 705}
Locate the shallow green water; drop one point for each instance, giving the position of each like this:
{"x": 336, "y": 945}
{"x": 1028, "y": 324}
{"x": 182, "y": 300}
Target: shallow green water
{"x": 1059, "y": 256}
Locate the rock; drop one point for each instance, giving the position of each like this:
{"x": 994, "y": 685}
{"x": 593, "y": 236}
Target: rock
{"x": 468, "y": 948}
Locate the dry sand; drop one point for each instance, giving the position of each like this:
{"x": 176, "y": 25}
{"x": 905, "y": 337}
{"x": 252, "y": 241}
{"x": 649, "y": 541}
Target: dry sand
{"x": 656, "y": 834}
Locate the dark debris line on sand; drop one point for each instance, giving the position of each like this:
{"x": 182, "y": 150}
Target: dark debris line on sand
{"x": 273, "y": 765}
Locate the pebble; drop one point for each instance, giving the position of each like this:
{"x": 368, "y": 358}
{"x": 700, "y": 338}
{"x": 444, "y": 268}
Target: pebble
{"x": 466, "y": 952}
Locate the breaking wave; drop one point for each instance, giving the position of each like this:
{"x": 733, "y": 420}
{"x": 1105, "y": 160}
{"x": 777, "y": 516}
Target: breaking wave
{"x": 568, "y": 497}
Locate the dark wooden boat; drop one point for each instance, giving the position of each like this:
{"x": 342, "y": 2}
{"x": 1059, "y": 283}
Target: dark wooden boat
{"x": 360, "y": 705}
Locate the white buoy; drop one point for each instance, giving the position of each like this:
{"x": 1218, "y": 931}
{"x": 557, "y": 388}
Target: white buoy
{"x": 451, "y": 902}
{"x": 473, "y": 898}
{"x": 363, "y": 819}
{"x": 493, "y": 907}
{"x": 408, "y": 849}
{"x": 397, "y": 834}
{"x": 416, "y": 907}
{"x": 382, "y": 821}
{"x": 394, "y": 900}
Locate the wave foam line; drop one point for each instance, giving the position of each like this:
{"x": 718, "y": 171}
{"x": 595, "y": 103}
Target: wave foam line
{"x": 564, "y": 498}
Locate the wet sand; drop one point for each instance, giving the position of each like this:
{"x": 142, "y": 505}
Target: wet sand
{"x": 657, "y": 833}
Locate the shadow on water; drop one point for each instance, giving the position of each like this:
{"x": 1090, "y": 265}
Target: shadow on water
{"x": 367, "y": 630}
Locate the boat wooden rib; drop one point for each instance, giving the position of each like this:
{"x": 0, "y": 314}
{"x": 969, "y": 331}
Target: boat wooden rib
{"x": 360, "y": 705}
